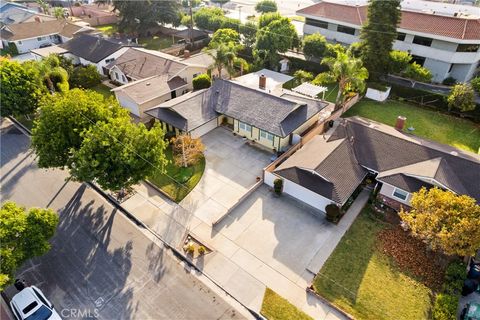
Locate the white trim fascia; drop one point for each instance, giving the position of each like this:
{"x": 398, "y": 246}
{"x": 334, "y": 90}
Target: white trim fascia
{"x": 43, "y": 35}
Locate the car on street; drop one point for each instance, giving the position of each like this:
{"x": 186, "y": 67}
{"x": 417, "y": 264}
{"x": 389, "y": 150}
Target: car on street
{"x": 31, "y": 304}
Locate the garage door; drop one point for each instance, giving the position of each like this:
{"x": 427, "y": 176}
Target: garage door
{"x": 205, "y": 128}
{"x": 309, "y": 197}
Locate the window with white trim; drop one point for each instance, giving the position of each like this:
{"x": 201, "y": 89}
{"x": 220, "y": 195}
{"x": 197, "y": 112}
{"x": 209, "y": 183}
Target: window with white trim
{"x": 244, "y": 126}
{"x": 400, "y": 194}
{"x": 266, "y": 135}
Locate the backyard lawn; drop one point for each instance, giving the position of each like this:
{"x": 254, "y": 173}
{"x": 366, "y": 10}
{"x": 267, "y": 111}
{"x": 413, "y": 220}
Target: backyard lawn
{"x": 103, "y": 90}
{"x": 156, "y": 42}
{"x": 274, "y": 307}
{"x": 428, "y": 124}
{"x": 108, "y": 29}
{"x": 187, "y": 178}
{"x": 360, "y": 279}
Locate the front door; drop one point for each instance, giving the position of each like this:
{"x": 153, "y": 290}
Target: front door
{"x": 174, "y": 94}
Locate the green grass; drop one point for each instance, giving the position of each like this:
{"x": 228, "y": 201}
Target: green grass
{"x": 361, "y": 280}
{"x": 156, "y": 42}
{"x": 103, "y": 90}
{"x": 188, "y": 177}
{"x": 429, "y": 124}
{"x": 108, "y": 29}
{"x": 274, "y": 307}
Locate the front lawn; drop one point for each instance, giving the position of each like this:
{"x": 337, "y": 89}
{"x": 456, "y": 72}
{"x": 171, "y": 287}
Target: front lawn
{"x": 103, "y": 90}
{"x": 108, "y": 29}
{"x": 184, "y": 179}
{"x": 367, "y": 283}
{"x": 274, "y": 307}
{"x": 156, "y": 42}
{"x": 428, "y": 124}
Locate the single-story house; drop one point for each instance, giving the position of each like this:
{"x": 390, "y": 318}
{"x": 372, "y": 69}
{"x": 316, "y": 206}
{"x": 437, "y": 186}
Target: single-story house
{"x": 273, "y": 121}
{"x": 87, "y": 49}
{"x": 329, "y": 169}
{"x": 33, "y": 35}
{"x": 12, "y": 13}
{"x": 142, "y": 70}
{"x": 41, "y": 53}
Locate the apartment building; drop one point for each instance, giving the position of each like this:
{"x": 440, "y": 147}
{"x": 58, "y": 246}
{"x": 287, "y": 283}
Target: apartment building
{"x": 445, "y": 38}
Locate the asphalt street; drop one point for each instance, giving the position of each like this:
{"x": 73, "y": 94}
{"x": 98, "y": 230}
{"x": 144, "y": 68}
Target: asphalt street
{"x": 101, "y": 265}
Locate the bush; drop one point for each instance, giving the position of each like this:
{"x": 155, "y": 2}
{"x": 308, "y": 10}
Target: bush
{"x": 475, "y": 82}
{"x": 417, "y": 72}
{"x": 265, "y": 6}
{"x": 399, "y": 61}
{"x": 445, "y": 307}
{"x": 333, "y": 212}
{"x": 201, "y": 81}
{"x": 314, "y": 45}
{"x": 462, "y": 97}
{"x": 85, "y": 77}
{"x": 202, "y": 250}
{"x": 450, "y": 81}
{"x": 278, "y": 186}
{"x": 455, "y": 274}
{"x": 190, "y": 248}
{"x": 302, "y": 76}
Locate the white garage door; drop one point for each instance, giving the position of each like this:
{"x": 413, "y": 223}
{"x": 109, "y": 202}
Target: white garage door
{"x": 205, "y": 128}
{"x": 305, "y": 195}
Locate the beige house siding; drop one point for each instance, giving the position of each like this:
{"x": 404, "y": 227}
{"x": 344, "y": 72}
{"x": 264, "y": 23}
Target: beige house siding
{"x": 387, "y": 190}
{"x": 306, "y": 125}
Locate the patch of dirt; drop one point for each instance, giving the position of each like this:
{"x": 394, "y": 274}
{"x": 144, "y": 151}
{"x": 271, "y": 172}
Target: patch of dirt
{"x": 411, "y": 255}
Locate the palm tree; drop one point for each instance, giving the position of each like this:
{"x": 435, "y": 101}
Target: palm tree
{"x": 348, "y": 71}
{"x": 225, "y": 57}
{"x": 58, "y": 13}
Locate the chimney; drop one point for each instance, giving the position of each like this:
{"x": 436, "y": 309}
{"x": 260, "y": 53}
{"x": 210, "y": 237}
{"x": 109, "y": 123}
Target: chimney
{"x": 400, "y": 123}
{"x": 186, "y": 54}
{"x": 262, "y": 82}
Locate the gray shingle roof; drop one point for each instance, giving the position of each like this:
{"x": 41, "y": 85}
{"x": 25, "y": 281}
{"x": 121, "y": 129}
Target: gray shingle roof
{"x": 29, "y": 30}
{"x": 92, "y": 48}
{"x": 405, "y": 182}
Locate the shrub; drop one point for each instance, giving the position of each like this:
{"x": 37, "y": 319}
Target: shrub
{"x": 399, "y": 61}
{"x": 85, "y": 77}
{"x": 462, "y": 97}
{"x": 333, "y": 212}
{"x": 475, "y": 82}
{"x": 417, "y": 72}
{"x": 265, "y": 6}
{"x": 302, "y": 76}
{"x": 278, "y": 186}
{"x": 190, "y": 248}
{"x": 450, "y": 81}
{"x": 202, "y": 250}
{"x": 445, "y": 307}
{"x": 314, "y": 45}
{"x": 455, "y": 274}
{"x": 201, "y": 81}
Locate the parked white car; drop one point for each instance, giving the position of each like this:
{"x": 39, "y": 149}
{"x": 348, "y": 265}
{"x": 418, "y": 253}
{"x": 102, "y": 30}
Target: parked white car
{"x": 31, "y": 304}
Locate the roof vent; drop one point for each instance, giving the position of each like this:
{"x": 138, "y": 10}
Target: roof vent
{"x": 454, "y": 153}
{"x": 148, "y": 83}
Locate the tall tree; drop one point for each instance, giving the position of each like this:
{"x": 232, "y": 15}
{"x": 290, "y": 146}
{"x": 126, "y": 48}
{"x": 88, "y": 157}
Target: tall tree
{"x": 21, "y": 89}
{"x": 225, "y": 57}
{"x": 224, "y": 36}
{"x": 378, "y": 35}
{"x": 347, "y": 71}
{"x": 118, "y": 154}
{"x": 23, "y": 235}
{"x": 445, "y": 221}
{"x": 58, "y": 13}
{"x": 57, "y": 131}
{"x": 314, "y": 45}
{"x": 265, "y": 6}
{"x": 208, "y": 18}
{"x": 187, "y": 151}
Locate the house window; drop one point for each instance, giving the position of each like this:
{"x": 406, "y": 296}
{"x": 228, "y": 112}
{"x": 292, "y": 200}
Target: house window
{"x": 344, "y": 29}
{"x": 316, "y": 23}
{"x": 40, "y": 38}
{"x": 244, "y": 126}
{"x": 116, "y": 75}
{"x": 401, "y": 36}
{"x": 195, "y": 75}
{"x": 468, "y": 47}
{"x": 422, "y": 41}
{"x": 123, "y": 78}
{"x": 400, "y": 194}
{"x": 450, "y": 69}
{"x": 419, "y": 60}
{"x": 19, "y": 42}
{"x": 266, "y": 135}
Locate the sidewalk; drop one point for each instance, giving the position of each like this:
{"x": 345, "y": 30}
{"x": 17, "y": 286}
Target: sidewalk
{"x": 238, "y": 271}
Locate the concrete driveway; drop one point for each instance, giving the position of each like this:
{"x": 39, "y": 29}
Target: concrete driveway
{"x": 232, "y": 166}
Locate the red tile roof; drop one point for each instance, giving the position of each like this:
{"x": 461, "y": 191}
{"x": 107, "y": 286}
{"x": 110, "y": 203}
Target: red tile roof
{"x": 452, "y": 27}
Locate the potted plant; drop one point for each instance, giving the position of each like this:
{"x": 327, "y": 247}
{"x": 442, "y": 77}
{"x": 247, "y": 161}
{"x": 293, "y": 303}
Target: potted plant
{"x": 278, "y": 186}
{"x": 333, "y": 212}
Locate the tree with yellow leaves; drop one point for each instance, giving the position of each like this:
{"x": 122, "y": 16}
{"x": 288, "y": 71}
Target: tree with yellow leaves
{"x": 187, "y": 151}
{"x": 445, "y": 221}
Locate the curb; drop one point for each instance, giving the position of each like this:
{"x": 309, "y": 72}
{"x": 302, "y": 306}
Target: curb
{"x": 344, "y": 313}
{"x": 139, "y": 223}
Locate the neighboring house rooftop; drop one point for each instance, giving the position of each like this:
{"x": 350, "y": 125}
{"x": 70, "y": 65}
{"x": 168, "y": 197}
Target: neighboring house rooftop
{"x": 19, "y": 14}
{"x": 400, "y": 159}
{"x": 461, "y": 27}
{"x": 147, "y": 89}
{"x": 279, "y": 115}
{"x": 92, "y": 48}
{"x": 139, "y": 63}
{"x": 31, "y": 30}
{"x": 45, "y": 52}
{"x": 274, "y": 79}
{"x": 201, "y": 59}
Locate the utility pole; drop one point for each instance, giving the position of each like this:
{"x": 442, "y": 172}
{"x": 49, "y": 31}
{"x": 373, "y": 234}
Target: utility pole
{"x": 191, "y": 22}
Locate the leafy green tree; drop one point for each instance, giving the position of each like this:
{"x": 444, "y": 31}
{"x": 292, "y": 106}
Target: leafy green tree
{"x": 347, "y": 71}
{"x": 202, "y": 81}
{"x": 302, "y": 76}
{"x": 475, "y": 82}
{"x": 333, "y": 49}
{"x": 54, "y": 77}
{"x": 208, "y": 18}
{"x": 21, "y": 88}
{"x": 224, "y": 58}
{"x": 445, "y": 221}
{"x": 461, "y": 97}
{"x": 378, "y": 35}
{"x": 249, "y": 33}
{"x": 85, "y": 77}
{"x": 24, "y": 234}
{"x": 57, "y": 131}
{"x": 399, "y": 61}
{"x": 224, "y": 36}
{"x": 265, "y": 6}
{"x": 275, "y": 34}
{"x": 314, "y": 45}
{"x": 140, "y": 15}
{"x": 58, "y": 13}
{"x": 417, "y": 72}
{"x": 118, "y": 154}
